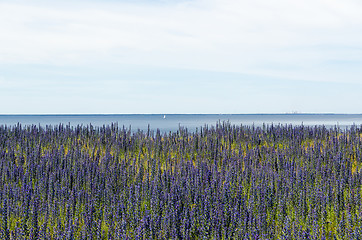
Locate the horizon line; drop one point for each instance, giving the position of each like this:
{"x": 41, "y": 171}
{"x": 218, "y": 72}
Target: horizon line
{"x": 113, "y": 114}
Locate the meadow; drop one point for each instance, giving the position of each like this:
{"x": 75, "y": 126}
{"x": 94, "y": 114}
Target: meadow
{"x": 220, "y": 182}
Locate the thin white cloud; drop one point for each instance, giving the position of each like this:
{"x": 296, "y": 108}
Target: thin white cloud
{"x": 290, "y": 39}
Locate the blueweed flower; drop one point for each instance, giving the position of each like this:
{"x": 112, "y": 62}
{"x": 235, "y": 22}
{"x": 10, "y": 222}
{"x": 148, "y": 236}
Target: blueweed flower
{"x": 225, "y": 181}
{"x": 4, "y": 228}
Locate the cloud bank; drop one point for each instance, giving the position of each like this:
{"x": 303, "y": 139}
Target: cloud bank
{"x": 315, "y": 40}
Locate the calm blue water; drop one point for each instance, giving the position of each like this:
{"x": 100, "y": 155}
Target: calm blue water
{"x": 172, "y": 122}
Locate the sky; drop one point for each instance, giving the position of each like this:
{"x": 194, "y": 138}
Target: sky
{"x": 180, "y": 56}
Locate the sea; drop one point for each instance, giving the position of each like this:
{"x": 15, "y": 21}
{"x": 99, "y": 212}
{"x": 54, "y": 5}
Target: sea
{"x": 173, "y": 122}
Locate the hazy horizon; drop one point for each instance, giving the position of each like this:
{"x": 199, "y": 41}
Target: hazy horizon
{"x": 172, "y": 122}
{"x": 80, "y": 114}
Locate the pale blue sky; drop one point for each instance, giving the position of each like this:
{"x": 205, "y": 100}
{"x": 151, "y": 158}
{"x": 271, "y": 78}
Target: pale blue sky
{"x": 196, "y": 56}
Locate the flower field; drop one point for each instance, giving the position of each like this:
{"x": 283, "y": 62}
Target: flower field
{"x": 220, "y": 182}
